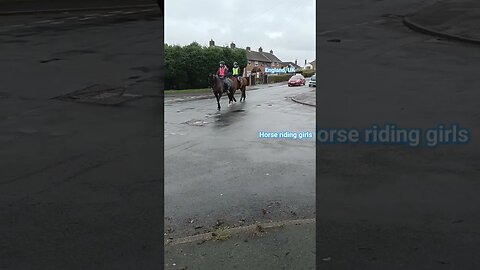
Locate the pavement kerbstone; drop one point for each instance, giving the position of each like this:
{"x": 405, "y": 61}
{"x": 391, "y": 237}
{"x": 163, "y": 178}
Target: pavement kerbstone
{"x": 457, "y": 20}
{"x": 281, "y": 244}
{"x": 308, "y": 98}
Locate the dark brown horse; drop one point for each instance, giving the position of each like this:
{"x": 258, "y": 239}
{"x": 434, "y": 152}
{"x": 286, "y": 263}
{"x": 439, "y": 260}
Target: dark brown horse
{"x": 218, "y": 88}
{"x": 239, "y": 84}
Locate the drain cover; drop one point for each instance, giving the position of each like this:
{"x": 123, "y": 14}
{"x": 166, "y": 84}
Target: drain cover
{"x": 99, "y": 94}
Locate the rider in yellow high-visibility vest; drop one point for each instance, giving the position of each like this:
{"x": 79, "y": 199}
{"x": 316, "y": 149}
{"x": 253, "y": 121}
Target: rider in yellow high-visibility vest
{"x": 236, "y": 71}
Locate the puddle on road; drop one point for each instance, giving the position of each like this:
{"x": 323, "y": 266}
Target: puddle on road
{"x": 220, "y": 119}
{"x": 195, "y": 122}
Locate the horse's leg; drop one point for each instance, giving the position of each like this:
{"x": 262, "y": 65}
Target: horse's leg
{"x": 233, "y": 95}
{"x": 218, "y": 98}
{"x": 230, "y": 96}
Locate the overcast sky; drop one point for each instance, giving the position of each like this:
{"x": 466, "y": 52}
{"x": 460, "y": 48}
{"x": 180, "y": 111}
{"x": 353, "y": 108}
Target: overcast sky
{"x": 286, "y": 27}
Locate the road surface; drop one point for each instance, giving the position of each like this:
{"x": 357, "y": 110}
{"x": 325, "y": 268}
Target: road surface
{"x": 395, "y": 207}
{"x": 217, "y": 169}
{"x": 80, "y": 183}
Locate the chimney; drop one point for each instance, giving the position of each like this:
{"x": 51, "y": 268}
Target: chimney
{"x": 305, "y": 62}
{"x": 212, "y": 43}
{"x": 232, "y": 45}
{"x": 248, "y": 48}
{"x": 295, "y": 61}
{"x": 260, "y": 49}
{"x": 271, "y": 51}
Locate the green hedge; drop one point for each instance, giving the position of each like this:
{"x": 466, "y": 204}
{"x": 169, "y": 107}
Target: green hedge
{"x": 279, "y": 78}
{"x": 187, "y": 67}
{"x": 306, "y": 72}
{"x": 286, "y": 77}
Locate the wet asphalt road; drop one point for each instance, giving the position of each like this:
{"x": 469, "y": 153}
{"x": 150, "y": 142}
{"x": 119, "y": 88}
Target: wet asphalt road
{"x": 217, "y": 169}
{"x": 80, "y": 183}
{"x": 395, "y": 207}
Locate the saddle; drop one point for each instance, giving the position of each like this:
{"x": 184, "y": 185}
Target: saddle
{"x": 227, "y": 84}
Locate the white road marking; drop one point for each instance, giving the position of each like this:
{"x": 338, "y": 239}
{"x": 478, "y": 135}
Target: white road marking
{"x": 44, "y": 21}
{"x": 325, "y": 32}
{"x": 58, "y": 22}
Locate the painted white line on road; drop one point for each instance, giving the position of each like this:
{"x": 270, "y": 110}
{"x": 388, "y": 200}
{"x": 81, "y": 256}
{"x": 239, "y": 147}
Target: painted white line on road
{"x": 84, "y": 19}
{"x": 324, "y": 32}
{"x": 72, "y": 18}
{"x": 58, "y": 22}
{"x": 44, "y": 21}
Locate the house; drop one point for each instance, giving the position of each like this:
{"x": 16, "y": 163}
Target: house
{"x": 257, "y": 60}
{"x": 307, "y": 65}
{"x": 314, "y": 64}
{"x": 289, "y": 64}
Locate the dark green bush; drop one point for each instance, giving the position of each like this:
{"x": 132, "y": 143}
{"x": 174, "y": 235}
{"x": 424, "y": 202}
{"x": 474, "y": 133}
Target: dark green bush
{"x": 187, "y": 67}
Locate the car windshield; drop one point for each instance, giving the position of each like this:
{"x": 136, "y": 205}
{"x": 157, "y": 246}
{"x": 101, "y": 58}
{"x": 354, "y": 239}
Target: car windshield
{"x": 296, "y": 77}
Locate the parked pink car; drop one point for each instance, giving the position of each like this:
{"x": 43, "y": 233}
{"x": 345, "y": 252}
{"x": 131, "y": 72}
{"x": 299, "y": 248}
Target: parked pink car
{"x": 297, "y": 80}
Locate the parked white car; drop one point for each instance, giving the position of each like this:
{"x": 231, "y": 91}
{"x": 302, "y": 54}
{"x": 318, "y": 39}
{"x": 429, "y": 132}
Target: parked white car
{"x": 313, "y": 81}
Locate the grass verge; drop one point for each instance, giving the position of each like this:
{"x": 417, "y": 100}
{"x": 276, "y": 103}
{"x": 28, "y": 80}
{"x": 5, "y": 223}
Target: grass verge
{"x": 222, "y": 233}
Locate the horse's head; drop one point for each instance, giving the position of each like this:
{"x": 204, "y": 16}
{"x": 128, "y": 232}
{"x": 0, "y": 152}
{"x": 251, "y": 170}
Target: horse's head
{"x": 211, "y": 80}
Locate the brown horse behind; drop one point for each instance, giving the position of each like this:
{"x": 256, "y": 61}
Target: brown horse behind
{"x": 239, "y": 85}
